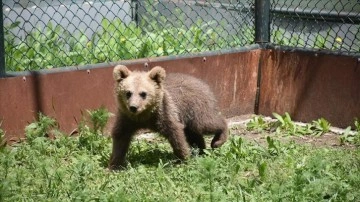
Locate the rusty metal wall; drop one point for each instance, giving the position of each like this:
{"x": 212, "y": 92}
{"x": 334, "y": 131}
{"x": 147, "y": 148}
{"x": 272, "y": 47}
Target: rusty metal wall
{"x": 64, "y": 95}
{"x": 305, "y": 84}
{"x": 310, "y": 85}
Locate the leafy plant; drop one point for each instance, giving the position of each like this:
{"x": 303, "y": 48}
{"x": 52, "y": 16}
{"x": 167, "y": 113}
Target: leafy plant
{"x": 320, "y": 40}
{"x": 320, "y": 126}
{"x": 357, "y": 125}
{"x": 10, "y": 44}
{"x": 262, "y": 167}
{"x": 99, "y": 118}
{"x": 284, "y": 124}
{"x": 2, "y": 139}
{"x": 357, "y": 132}
{"x": 346, "y": 136}
{"x": 247, "y": 34}
{"x": 272, "y": 146}
{"x": 349, "y": 136}
{"x": 40, "y": 128}
{"x": 93, "y": 139}
{"x": 280, "y": 38}
{"x": 305, "y": 129}
{"x": 208, "y": 165}
{"x": 257, "y": 123}
{"x": 237, "y": 149}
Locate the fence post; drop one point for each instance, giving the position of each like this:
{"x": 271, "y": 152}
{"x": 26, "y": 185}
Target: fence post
{"x": 2, "y": 43}
{"x": 134, "y": 11}
{"x": 262, "y": 21}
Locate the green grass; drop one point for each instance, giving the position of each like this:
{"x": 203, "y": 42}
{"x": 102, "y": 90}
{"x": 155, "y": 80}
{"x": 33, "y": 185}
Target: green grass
{"x": 74, "y": 169}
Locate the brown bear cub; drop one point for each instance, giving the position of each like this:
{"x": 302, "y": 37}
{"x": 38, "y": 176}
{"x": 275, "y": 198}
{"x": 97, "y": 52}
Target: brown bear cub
{"x": 179, "y": 107}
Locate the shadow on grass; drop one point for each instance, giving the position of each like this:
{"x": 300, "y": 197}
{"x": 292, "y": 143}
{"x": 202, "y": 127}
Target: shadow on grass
{"x": 151, "y": 154}
{"x": 151, "y": 157}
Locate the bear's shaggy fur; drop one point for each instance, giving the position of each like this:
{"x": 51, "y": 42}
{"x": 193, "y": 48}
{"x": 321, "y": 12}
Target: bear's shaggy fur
{"x": 178, "y": 106}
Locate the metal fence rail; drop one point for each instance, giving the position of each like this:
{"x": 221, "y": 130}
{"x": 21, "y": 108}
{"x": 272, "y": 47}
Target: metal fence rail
{"x": 53, "y": 33}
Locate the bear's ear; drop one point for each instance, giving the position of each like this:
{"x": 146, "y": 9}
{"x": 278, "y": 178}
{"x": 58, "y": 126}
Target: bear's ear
{"x": 120, "y": 72}
{"x": 157, "y": 74}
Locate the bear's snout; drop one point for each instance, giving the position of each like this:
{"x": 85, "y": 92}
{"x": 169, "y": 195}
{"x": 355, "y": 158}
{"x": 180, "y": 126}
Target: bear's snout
{"x": 133, "y": 109}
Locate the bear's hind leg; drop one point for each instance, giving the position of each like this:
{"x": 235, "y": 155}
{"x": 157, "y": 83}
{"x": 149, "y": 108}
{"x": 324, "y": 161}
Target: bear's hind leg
{"x": 195, "y": 139}
{"x": 219, "y": 138}
{"x": 218, "y": 127}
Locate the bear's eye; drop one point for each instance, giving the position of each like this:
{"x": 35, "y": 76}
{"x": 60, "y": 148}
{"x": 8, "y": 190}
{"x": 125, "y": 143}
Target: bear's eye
{"x": 128, "y": 94}
{"x": 143, "y": 95}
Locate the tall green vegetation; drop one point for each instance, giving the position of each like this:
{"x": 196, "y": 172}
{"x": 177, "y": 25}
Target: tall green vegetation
{"x": 113, "y": 40}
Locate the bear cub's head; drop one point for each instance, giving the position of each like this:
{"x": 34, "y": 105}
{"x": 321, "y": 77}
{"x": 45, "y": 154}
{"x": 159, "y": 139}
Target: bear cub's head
{"x": 138, "y": 92}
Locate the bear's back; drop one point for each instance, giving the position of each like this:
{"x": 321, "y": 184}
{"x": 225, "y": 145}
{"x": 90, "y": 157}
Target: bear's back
{"x": 192, "y": 96}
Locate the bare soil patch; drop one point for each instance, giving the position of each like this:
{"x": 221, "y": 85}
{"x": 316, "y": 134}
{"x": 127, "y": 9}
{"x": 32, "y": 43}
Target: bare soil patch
{"x": 237, "y": 126}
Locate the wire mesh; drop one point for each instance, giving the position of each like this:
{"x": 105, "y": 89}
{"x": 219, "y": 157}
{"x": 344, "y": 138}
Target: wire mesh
{"x": 317, "y": 24}
{"x": 53, "y": 33}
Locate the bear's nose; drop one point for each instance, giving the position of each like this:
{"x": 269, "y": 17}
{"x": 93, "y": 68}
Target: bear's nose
{"x": 133, "y": 109}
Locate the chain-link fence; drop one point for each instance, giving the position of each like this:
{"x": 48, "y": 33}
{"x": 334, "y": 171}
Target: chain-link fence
{"x": 53, "y": 33}
{"x": 48, "y": 34}
{"x": 321, "y": 24}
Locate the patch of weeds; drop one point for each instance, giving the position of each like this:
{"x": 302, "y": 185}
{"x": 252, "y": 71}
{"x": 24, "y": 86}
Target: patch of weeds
{"x": 305, "y": 129}
{"x": 92, "y": 138}
{"x": 262, "y": 168}
{"x": 320, "y": 126}
{"x": 239, "y": 149}
{"x": 351, "y": 137}
{"x": 279, "y": 37}
{"x": 357, "y": 125}
{"x": 2, "y": 139}
{"x": 93, "y": 142}
{"x": 320, "y": 40}
{"x": 208, "y": 167}
{"x": 357, "y": 134}
{"x": 43, "y": 127}
{"x": 273, "y": 146}
{"x": 285, "y": 125}
{"x": 55, "y": 169}
{"x": 258, "y": 124}
{"x": 99, "y": 118}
